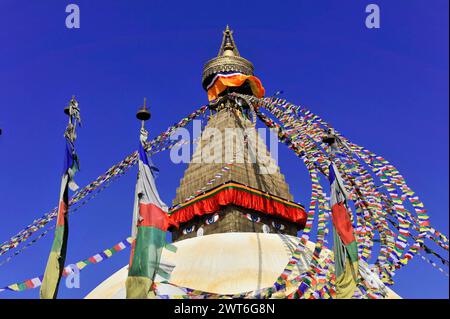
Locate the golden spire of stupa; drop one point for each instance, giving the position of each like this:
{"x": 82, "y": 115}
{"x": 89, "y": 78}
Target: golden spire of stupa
{"x": 228, "y": 46}
{"x": 227, "y": 60}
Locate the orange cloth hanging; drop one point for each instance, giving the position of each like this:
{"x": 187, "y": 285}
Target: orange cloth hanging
{"x": 222, "y": 81}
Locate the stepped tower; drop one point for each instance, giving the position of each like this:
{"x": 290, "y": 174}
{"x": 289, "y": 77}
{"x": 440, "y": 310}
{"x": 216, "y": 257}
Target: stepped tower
{"x": 232, "y": 183}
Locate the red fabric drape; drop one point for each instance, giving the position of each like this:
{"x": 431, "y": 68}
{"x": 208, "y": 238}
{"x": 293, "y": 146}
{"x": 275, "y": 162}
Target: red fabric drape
{"x": 240, "y": 198}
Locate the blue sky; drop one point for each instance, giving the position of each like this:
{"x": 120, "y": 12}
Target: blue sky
{"x": 385, "y": 89}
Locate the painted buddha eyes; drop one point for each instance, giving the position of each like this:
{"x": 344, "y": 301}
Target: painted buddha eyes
{"x": 188, "y": 230}
{"x": 212, "y": 219}
{"x": 278, "y": 226}
{"x": 253, "y": 218}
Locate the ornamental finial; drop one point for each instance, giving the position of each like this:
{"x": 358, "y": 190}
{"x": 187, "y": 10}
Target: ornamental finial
{"x": 143, "y": 113}
{"x": 228, "y": 46}
{"x": 73, "y": 111}
{"x": 330, "y": 137}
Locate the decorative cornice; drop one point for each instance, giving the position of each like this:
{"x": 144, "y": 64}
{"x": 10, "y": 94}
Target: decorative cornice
{"x": 227, "y": 64}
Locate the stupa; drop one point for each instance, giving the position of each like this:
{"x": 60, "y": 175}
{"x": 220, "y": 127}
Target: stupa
{"x": 239, "y": 232}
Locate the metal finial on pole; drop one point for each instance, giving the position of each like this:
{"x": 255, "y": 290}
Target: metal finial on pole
{"x": 334, "y": 141}
{"x": 67, "y": 108}
{"x": 143, "y": 113}
{"x": 330, "y": 138}
{"x": 73, "y": 112}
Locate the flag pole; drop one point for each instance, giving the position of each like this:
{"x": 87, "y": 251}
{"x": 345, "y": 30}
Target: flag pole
{"x": 150, "y": 224}
{"x": 56, "y": 260}
{"x": 344, "y": 243}
{"x": 138, "y": 284}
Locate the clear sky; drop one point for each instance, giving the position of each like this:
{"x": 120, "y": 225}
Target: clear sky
{"x": 385, "y": 89}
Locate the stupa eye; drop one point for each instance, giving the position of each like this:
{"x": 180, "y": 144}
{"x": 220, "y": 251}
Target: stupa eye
{"x": 212, "y": 219}
{"x": 278, "y": 226}
{"x": 253, "y": 218}
{"x": 188, "y": 230}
